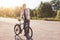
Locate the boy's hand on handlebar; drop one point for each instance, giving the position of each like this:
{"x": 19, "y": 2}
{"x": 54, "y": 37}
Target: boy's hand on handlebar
{"x": 19, "y": 19}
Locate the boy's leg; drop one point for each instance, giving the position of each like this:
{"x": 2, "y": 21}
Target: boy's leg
{"x": 24, "y": 27}
{"x": 27, "y": 22}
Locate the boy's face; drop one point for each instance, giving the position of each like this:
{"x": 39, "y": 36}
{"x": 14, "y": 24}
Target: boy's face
{"x": 24, "y": 6}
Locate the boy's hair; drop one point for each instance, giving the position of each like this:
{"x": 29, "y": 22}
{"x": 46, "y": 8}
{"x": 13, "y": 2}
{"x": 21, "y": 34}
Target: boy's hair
{"x": 24, "y": 4}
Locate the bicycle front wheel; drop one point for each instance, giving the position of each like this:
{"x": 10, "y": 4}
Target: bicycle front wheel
{"x": 17, "y": 29}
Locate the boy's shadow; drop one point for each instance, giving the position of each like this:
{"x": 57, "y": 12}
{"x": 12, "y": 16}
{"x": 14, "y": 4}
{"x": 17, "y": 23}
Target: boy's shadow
{"x": 17, "y": 37}
{"x": 29, "y": 39}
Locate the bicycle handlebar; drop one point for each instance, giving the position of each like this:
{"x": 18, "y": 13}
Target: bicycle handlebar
{"x": 19, "y": 19}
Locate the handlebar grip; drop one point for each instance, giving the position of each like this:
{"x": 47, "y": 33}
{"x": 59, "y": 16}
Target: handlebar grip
{"x": 19, "y": 19}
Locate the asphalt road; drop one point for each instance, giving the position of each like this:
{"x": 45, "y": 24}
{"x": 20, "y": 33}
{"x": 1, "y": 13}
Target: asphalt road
{"x": 42, "y": 30}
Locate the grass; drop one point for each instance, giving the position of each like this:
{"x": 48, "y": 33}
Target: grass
{"x": 35, "y": 18}
{"x": 46, "y": 19}
{"x": 51, "y": 19}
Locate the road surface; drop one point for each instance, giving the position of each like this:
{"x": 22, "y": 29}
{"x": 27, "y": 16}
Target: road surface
{"x": 42, "y": 30}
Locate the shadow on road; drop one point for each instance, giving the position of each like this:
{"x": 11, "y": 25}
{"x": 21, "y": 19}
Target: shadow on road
{"x": 17, "y": 37}
{"x": 29, "y": 39}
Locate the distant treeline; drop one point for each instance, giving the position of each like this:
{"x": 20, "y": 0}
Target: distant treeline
{"x": 44, "y": 10}
{"x": 10, "y": 12}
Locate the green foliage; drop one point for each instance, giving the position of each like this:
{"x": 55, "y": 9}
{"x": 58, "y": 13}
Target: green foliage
{"x": 44, "y": 10}
{"x": 58, "y": 14}
{"x": 32, "y": 13}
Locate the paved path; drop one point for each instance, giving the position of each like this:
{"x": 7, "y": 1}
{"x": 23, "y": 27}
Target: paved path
{"x": 43, "y": 30}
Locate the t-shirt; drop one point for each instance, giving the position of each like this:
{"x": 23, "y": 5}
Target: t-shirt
{"x": 25, "y": 14}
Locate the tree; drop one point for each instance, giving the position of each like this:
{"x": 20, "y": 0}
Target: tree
{"x": 56, "y": 7}
{"x": 39, "y": 9}
{"x": 55, "y": 4}
{"x": 32, "y": 13}
{"x": 46, "y": 10}
{"x": 17, "y": 11}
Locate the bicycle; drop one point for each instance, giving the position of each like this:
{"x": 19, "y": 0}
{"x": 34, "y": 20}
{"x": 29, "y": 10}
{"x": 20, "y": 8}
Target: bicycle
{"x": 18, "y": 29}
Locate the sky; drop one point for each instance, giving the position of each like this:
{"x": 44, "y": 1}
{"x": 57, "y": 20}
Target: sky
{"x": 13, "y": 3}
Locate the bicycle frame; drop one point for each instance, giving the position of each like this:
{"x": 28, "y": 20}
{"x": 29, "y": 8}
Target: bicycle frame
{"x": 21, "y": 23}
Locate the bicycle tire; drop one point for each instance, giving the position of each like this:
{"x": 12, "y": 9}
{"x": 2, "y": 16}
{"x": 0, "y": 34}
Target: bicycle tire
{"x": 17, "y": 25}
{"x": 30, "y": 36}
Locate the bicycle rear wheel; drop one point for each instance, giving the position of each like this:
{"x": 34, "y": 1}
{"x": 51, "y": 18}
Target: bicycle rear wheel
{"x": 30, "y": 33}
{"x": 17, "y": 29}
